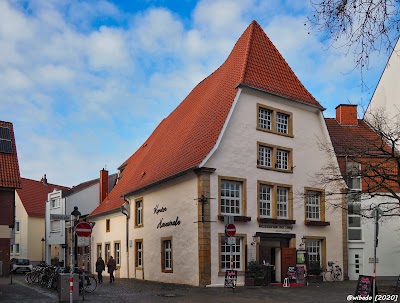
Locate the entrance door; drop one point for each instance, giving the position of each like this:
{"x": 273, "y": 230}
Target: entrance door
{"x": 288, "y": 259}
{"x": 355, "y": 263}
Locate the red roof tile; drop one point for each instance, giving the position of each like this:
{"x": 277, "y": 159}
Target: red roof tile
{"x": 184, "y": 139}
{"x": 33, "y": 195}
{"x": 9, "y": 168}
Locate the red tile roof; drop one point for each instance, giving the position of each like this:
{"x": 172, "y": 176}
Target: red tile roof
{"x": 9, "y": 168}
{"x": 33, "y": 195}
{"x": 184, "y": 139}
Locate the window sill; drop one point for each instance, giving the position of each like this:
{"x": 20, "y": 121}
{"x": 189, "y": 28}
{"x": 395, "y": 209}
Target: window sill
{"x": 274, "y": 132}
{"x": 275, "y": 169}
{"x": 239, "y": 273}
{"x": 316, "y": 223}
{"x": 356, "y": 241}
{"x": 138, "y": 226}
{"x": 236, "y": 218}
{"x": 168, "y": 271}
{"x": 276, "y": 221}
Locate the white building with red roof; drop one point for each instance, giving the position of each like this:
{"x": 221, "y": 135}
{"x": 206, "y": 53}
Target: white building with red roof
{"x": 242, "y": 144}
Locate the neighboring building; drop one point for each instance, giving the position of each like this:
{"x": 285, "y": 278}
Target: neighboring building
{"x": 245, "y": 139}
{"x": 9, "y": 181}
{"x": 86, "y": 197}
{"x": 357, "y": 147}
{"x": 387, "y": 92}
{"x": 30, "y": 219}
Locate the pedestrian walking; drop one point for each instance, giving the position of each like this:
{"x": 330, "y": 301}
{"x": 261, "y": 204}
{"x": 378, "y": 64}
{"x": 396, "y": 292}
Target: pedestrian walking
{"x": 100, "y": 266}
{"x": 111, "y": 264}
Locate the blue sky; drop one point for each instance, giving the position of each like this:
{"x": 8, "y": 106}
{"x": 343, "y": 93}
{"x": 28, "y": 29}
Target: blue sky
{"x": 86, "y": 82}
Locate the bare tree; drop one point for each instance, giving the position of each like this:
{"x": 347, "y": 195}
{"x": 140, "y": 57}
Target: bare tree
{"x": 360, "y": 26}
{"x": 369, "y": 160}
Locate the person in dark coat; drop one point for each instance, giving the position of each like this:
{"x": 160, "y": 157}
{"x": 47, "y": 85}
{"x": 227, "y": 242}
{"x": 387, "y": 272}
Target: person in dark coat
{"x": 111, "y": 264}
{"x": 100, "y": 266}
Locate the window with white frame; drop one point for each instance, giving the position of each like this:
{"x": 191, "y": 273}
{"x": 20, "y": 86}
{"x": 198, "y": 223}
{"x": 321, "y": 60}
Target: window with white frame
{"x": 55, "y": 226}
{"x": 117, "y": 253}
{"x": 17, "y": 226}
{"x": 236, "y": 254}
{"x": 282, "y": 202}
{"x": 99, "y": 251}
{"x": 314, "y": 250}
{"x": 55, "y": 203}
{"x": 282, "y": 159}
{"x": 231, "y": 197}
{"x": 265, "y": 201}
{"x": 354, "y": 216}
{"x": 167, "y": 255}
{"x": 139, "y": 212}
{"x": 264, "y": 156}
{"x": 282, "y": 123}
{"x": 107, "y": 249}
{"x": 139, "y": 254}
{"x": 264, "y": 118}
{"x": 354, "y": 175}
{"x": 313, "y": 205}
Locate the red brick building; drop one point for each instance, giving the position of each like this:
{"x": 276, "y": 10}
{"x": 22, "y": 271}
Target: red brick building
{"x": 9, "y": 181}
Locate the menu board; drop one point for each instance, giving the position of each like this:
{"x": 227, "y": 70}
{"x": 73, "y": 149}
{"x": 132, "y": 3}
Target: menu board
{"x": 230, "y": 278}
{"x": 364, "y": 287}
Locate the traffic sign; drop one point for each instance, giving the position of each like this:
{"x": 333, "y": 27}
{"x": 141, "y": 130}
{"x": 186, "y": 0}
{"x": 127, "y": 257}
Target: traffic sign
{"x": 83, "y": 229}
{"x": 83, "y": 241}
{"x": 230, "y": 230}
{"x": 60, "y": 217}
{"x": 231, "y": 240}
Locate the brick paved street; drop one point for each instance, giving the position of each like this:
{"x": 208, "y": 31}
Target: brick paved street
{"x": 125, "y": 290}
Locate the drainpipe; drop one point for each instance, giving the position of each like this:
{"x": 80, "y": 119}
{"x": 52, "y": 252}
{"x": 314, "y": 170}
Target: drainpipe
{"x": 125, "y": 209}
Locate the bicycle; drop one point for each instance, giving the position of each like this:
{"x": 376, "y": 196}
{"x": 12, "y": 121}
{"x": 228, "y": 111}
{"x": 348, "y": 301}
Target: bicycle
{"x": 335, "y": 272}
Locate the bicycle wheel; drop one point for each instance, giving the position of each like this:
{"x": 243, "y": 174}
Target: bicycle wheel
{"x": 328, "y": 276}
{"x": 338, "y": 275}
{"x": 90, "y": 284}
{"x": 27, "y": 277}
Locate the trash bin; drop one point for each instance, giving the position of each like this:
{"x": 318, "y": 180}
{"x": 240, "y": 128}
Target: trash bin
{"x": 63, "y": 286}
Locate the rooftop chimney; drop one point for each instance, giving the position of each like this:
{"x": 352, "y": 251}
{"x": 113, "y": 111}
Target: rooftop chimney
{"x": 103, "y": 184}
{"x": 346, "y": 114}
{"x": 44, "y": 180}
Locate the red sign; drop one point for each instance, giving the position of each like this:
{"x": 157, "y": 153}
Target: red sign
{"x": 83, "y": 229}
{"x": 231, "y": 230}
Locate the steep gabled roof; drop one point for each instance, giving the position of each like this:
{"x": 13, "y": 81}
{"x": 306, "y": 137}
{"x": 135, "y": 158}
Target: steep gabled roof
{"x": 184, "y": 139}
{"x": 9, "y": 168}
{"x": 33, "y": 195}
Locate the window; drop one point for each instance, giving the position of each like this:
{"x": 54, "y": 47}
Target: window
{"x": 55, "y": 226}
{"x": 5, "y": 140}
{"x": 108, "y": 225}
{"x": 314, "y": 251}
{"x": 139, "y": 253}
{"x": 237, "y": 253}
{"x": 139, "y": 212}
{"x": 232, "y": 196}
{"x": 16, "y": 250}
{"x": 166, "y": 254}
{"x": 55, "y": 203}
{"x": 282, "y": 202}
{"x": 274, "y": 120}
{"x": 274, "y": 157}
{"x": 17, "y": 226}
{"x": 313, "y": 205}
{"x": 265, "y": 201}
{"x": 99, "y": 250}
{"x": 117, "y": 253}
{"x": 11, "y": 249}
{"x": 354, "y": 175}
{"x": 354, "y": 217}
{"x": 107, "y": 251}
{"x": 275, "y": 201}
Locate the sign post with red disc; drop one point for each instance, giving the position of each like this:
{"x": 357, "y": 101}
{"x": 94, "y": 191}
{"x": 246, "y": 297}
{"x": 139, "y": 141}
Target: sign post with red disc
{"x": 83, "y": 229}
{"x": 230, "y": 230}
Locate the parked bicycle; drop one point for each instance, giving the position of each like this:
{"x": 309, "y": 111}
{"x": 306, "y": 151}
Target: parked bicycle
{"x": 334, "y": 273}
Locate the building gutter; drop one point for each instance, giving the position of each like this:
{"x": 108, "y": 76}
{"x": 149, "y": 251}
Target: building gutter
{"x": 108, "y": 212}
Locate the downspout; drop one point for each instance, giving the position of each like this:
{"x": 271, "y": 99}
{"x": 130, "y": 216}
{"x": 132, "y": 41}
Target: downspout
{"x": 125, "y": 209}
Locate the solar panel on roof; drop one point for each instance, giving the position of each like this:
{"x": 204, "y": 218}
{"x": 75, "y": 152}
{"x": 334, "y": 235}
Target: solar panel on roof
{"x": 5, "y": 133}
{"x": 5, "y": 140}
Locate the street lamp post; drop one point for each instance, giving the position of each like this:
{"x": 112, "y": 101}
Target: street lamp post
{"x": 74, "y": 216}
{"x": 42, "y": 249}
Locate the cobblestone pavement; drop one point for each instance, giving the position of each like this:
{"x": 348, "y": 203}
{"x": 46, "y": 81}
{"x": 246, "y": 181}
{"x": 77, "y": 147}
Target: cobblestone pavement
{"x": 130, "y": 290}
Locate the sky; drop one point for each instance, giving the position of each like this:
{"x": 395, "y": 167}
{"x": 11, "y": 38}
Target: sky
{"x": 86, "y": 82}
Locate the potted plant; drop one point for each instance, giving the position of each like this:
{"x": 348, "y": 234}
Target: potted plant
{"x": 314, "y": 271}
{"x": 255, "y": 274}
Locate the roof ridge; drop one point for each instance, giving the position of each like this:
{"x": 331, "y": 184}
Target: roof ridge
{"x": 247, "y": 52}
